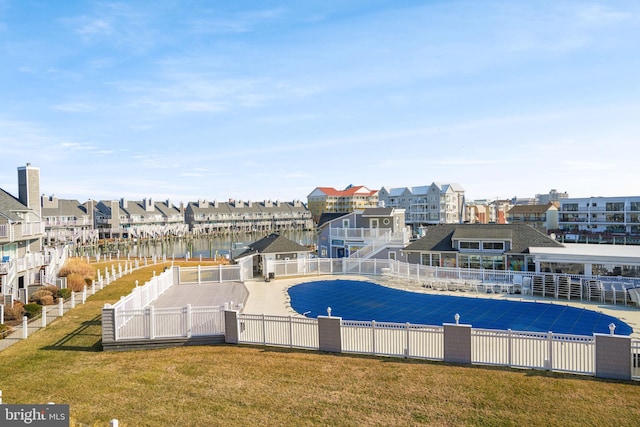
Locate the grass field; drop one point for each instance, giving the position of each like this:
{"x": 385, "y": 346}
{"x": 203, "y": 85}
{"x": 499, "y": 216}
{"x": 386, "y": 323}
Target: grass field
{"x": 244, "y": 385}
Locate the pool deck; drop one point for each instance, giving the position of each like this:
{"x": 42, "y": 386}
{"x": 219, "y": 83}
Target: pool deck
{"x": 272, "y": 297}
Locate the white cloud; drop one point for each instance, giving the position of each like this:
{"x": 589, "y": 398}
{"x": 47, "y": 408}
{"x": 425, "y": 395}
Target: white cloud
{"x": 215, "y": 22}
{"x": 92, "y": 26}
{"x": 600, "y": 15}
{"x": 74, "y": 107}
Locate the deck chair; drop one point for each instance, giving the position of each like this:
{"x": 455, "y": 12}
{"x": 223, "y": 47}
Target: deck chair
{"x": 634, "y": 295}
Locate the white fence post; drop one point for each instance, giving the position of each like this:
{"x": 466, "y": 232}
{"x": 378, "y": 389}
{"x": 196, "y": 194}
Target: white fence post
{"x": 113, "y": 423}
{"x": 407, "y": 350}
{"x": 84, "y": 294}
{"x": 290, "y": 332}
{"x": 152, "y": 323}
{"x": 189, "y": 321}
{"x": 549, "y": 351}
{"x": 25, "y": 331}
{"x": 373, "y": 337}
{"x": 509, "y": 346}
{"x": 73, "y": 299}
{"x": 43, "y": 316}
{"x": 60, "y": 307}
{"x": 1, "y": 315}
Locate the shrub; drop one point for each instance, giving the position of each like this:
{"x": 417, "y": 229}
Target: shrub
{"x": 5, "y": 330}
{"x": 46, "y": 300}
{"x": 75, "y": 282}
{"x": 76, "y": 266}
{"x": 14, "y": 312}
{"x": 64, "y": 293}
{"x": 41, "y": 293}
{"x": 32, "y": 310}
{"x": 52, "y": 289}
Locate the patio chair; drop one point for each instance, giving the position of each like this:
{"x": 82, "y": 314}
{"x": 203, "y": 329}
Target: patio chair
{"x": 537, "y": 286}
{"x": 526, "y": 286}
{"x": 634, "y": 295}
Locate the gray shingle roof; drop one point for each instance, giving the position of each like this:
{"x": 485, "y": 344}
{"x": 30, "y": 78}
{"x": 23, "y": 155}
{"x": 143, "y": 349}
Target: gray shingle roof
{"x": 9, "y": 205}
{"x": 530, "y": 209}
{"x": 440, "y": 238}
{"x": 65, "y": 208}
{"x": 274, "y": 244}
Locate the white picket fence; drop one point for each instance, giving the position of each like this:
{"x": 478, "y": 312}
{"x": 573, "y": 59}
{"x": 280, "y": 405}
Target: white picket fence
{"x": 517, "y": 349}
{"x": 180, "y": 322}
{"x": 286, "y": 331}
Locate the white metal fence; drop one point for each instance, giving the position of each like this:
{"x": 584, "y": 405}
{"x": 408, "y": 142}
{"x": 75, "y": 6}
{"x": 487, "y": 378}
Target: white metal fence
{"x": 518, "y": 349}
{"x": 537, "y": 350}
{"x": 179, "y": 322}
{"x": 286, "y": 331}
{"x": 141, "y": 296}
{"x": 217, "y": 274}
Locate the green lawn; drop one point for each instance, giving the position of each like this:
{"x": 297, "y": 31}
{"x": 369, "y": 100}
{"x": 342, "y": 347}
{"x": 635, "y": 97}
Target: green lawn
{"x": 244, "y": 385}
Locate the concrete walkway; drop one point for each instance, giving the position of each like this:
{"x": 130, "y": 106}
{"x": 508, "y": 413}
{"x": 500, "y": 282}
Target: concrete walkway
{"x": 34, "y": 325}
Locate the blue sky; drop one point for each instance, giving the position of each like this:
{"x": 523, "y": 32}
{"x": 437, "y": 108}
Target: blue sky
{"x": 268, "y": 100}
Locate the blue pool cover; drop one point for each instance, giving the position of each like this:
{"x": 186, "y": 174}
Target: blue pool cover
{"x": 359, "y": 300}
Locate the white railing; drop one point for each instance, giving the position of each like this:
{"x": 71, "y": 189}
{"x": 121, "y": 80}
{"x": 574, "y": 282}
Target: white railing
{"x": 393, "y": 339}
{"x": 518, "y": 349}
{"x": 536, "y": 350}
{"x": 384, "y": 239}
{"x": 356, "y": 233}
{"x": 32, "y": 228}
{"x": 294, "y": 332}
{"x": 151, "y": 323}
{"x": 210, "y": 274}
{"x": 141, "y": 296}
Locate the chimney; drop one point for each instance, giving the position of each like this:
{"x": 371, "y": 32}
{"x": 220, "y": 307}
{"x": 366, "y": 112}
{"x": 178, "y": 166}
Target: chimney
{"x": 115, "y": 213}
{"x": 123, "y": 203}
{"x": 50, "y": 202}
{"x": 29, "y": 187}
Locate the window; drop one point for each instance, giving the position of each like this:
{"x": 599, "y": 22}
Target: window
{"x": 469, "y": 245}
{"x": 615, "y": 206}
{"x": 493, "y": 246}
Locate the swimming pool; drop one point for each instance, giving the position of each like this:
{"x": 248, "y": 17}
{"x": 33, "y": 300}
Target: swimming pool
{"x": 361, "y": 300}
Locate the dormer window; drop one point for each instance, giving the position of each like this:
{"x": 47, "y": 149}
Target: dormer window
{"x": 493, "y": 246}
{"x": 469, "y": 245}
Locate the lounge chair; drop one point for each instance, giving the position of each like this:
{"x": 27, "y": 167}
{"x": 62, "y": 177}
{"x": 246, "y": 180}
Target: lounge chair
{"x": 634, "y": 295}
